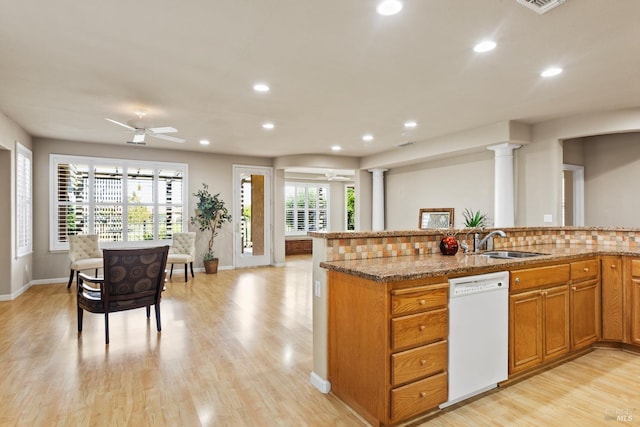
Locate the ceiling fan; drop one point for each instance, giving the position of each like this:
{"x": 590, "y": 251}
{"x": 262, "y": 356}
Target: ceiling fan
{"x": 332, "y": 176}
{"x": 139, "y": 134}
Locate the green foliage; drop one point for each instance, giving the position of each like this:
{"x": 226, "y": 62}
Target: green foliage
{"x": 351, "y": 208}
{"x": 474, "y": 219}
{"x": 210, "y": 214}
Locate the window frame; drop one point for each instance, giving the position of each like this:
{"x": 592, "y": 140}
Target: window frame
{"x": 24, "y": 201}
{"x": 306, "y": 186}
{"x": 126, "y": 164}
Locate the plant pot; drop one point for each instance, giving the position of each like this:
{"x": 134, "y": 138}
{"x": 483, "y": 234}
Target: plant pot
{"x": 211, "y": 266}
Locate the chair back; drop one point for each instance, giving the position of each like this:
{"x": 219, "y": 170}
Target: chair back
{"x": 82, "y": 246}
{"x": 133, "y": 277}
{"x": 184, "y": 243}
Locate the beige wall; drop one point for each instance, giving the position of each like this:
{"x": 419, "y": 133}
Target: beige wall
{"x": 612, "y": 174}
{"x": 17, "y": 270}
{"x": 214, "y": 169}
{"x": 459, "y": 183}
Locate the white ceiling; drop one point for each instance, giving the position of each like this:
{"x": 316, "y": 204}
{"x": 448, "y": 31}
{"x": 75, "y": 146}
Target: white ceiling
{"x": 337, "y": 70}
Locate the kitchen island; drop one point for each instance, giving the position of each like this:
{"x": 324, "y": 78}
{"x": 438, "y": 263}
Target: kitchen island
{"x": 387, "y": 317}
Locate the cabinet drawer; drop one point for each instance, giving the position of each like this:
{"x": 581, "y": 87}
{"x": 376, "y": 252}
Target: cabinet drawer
{"x": 405, "y": 301}
{"x": 421, "y": 328}
{"x": 418, "y": 362}
{"x": 537, "y": 277}
{"x": 419, "y": 396}
{"x": 583, "y": 270}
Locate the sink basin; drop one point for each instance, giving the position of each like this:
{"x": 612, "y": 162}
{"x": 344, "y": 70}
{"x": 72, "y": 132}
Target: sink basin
{"x": 509, "y": 254}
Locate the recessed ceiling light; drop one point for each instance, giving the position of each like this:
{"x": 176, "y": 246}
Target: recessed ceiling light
{"x": 410, "y": 124}
{"x": 268, "y": 125}
{"x": 204, "y": 142}
{"x": 336, "y": 148}
{"x": 550, "y": 72}
{"x": 484, "y": 46}
{"x": 389, "y": 7}
{"x": 367, "y": 137}
{"x": 261, "y": 87}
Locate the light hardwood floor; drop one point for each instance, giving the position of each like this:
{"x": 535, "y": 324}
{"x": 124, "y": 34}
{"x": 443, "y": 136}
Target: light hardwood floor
{"x": 235, "y": 350}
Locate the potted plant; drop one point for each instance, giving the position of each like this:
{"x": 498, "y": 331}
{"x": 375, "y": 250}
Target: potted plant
{"x": 474, "y": 219}
{"x": 210, "y": 215}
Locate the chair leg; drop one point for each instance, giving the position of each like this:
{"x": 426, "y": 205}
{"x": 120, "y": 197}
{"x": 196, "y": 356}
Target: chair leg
{"x": 70, "y": 279}
{"x": 186, "y": 276}
{"x": 157, "y": 309}
{"x": 171, "y": 271}
{"x": 191, "y": 264}
{"x": 148, "y": 311}
{"x": 106, "y": 328}
{"x": 80, "y": 313}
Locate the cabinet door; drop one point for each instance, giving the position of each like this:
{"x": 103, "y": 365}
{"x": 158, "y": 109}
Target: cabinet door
{"x": 634, "y": 302}
{"x": 525, "y": 331}
{"x": 612, "y": 297}
{"x": 585, "y": 317}
{"x": 556, "y": 321}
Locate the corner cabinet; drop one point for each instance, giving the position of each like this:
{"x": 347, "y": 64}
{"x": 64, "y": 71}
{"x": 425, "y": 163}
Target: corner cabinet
{"x": 388, "y": 351}
{"x": 612, "y": 298}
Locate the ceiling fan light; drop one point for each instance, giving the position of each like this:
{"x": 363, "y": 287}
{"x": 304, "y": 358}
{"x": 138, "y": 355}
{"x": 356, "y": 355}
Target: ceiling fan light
{"x": 138, "y": 137}
{"x": 389, "y": 7}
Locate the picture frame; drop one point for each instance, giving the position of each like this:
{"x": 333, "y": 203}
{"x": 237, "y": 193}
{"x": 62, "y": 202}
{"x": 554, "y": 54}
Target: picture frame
{"x": 435, "y": 218}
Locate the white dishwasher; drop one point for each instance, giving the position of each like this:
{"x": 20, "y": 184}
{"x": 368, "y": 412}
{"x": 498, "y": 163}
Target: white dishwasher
{"x": 478, "y": 334}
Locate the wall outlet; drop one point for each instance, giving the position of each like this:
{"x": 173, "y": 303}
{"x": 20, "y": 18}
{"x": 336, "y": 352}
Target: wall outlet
{"x": 316, "y": 288}
{"x": 548, "y": 218}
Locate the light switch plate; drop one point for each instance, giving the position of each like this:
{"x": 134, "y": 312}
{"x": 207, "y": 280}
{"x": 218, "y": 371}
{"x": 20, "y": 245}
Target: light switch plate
{"x": 548, "y": 218}
{"x": 316, "y": 290}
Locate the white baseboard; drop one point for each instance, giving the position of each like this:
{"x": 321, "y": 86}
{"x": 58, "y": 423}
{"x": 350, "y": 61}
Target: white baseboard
{"x": 320, "y": 383}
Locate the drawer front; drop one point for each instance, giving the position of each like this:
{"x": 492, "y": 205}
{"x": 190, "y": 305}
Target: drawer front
{"x": 583, "y": 270}
{"x": 635, "y": 267}
{"x": 418, "y": 299}
{"x": 418, "y": 397}
{"x": 418, "y": 362}
{"x": 540, "y": 276}
{"x": 421, "y": 328}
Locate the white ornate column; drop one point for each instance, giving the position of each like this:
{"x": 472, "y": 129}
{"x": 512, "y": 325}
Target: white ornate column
{"x": 504, "y": 205}
{"x": 377, "y": 199}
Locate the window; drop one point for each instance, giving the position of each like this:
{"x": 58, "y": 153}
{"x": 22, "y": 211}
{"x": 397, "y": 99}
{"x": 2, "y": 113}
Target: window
{"x": 122, "y": 201}
{"x": 306, "y": 208}
{"x": 24, "y": 201}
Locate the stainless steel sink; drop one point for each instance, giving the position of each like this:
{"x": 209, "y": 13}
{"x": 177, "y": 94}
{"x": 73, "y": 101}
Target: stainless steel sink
{"x": 509, "y": 254}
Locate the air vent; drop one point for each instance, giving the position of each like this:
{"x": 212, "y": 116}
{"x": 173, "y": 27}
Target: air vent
{"x": 405, "y": 144}
{"x": 541, "y": 6}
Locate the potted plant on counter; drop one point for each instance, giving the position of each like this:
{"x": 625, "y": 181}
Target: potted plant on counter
{"x": 210, "y": 214}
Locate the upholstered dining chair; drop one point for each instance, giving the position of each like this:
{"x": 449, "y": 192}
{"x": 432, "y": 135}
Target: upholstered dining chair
{"x": 84, "y": 254}
{"x": 182, "y": 251}
{"x": 133, "y": 278}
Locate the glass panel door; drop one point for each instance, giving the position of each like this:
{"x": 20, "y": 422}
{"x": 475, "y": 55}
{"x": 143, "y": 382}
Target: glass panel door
{"x": 252, "y": 240}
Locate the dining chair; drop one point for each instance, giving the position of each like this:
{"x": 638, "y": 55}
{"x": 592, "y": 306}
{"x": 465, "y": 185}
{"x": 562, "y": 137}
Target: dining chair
{"x": 133, "y": 278}
{"x": 84, "y": 254}
{"x": 182, "y": 251}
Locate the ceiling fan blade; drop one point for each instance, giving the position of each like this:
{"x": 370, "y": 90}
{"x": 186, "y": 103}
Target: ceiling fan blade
{"x": 166, "y": 129}
{"x": 168, "y": 138}
{"x": 120, "y": 124}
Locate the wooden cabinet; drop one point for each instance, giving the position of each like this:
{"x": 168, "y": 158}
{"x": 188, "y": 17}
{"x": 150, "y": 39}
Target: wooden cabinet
{"x": 388, "y": 350}
{"x": 538, "y": 327}
{"x": 585, "y": 303}
{"x": 632, "y": 301}
{"x": 538, "y": 316}
{"x": 298, "y": 247}
{"x": 612, "y": 298}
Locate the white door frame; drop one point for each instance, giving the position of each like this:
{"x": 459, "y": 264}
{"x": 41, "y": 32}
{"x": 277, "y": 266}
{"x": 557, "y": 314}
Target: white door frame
{"x": 578, "y": 193}
{"x": 240, "y": 260}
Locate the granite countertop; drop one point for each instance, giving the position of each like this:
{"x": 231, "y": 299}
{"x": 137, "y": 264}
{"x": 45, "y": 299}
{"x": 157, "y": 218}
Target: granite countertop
{"x": 392, "y": 269}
